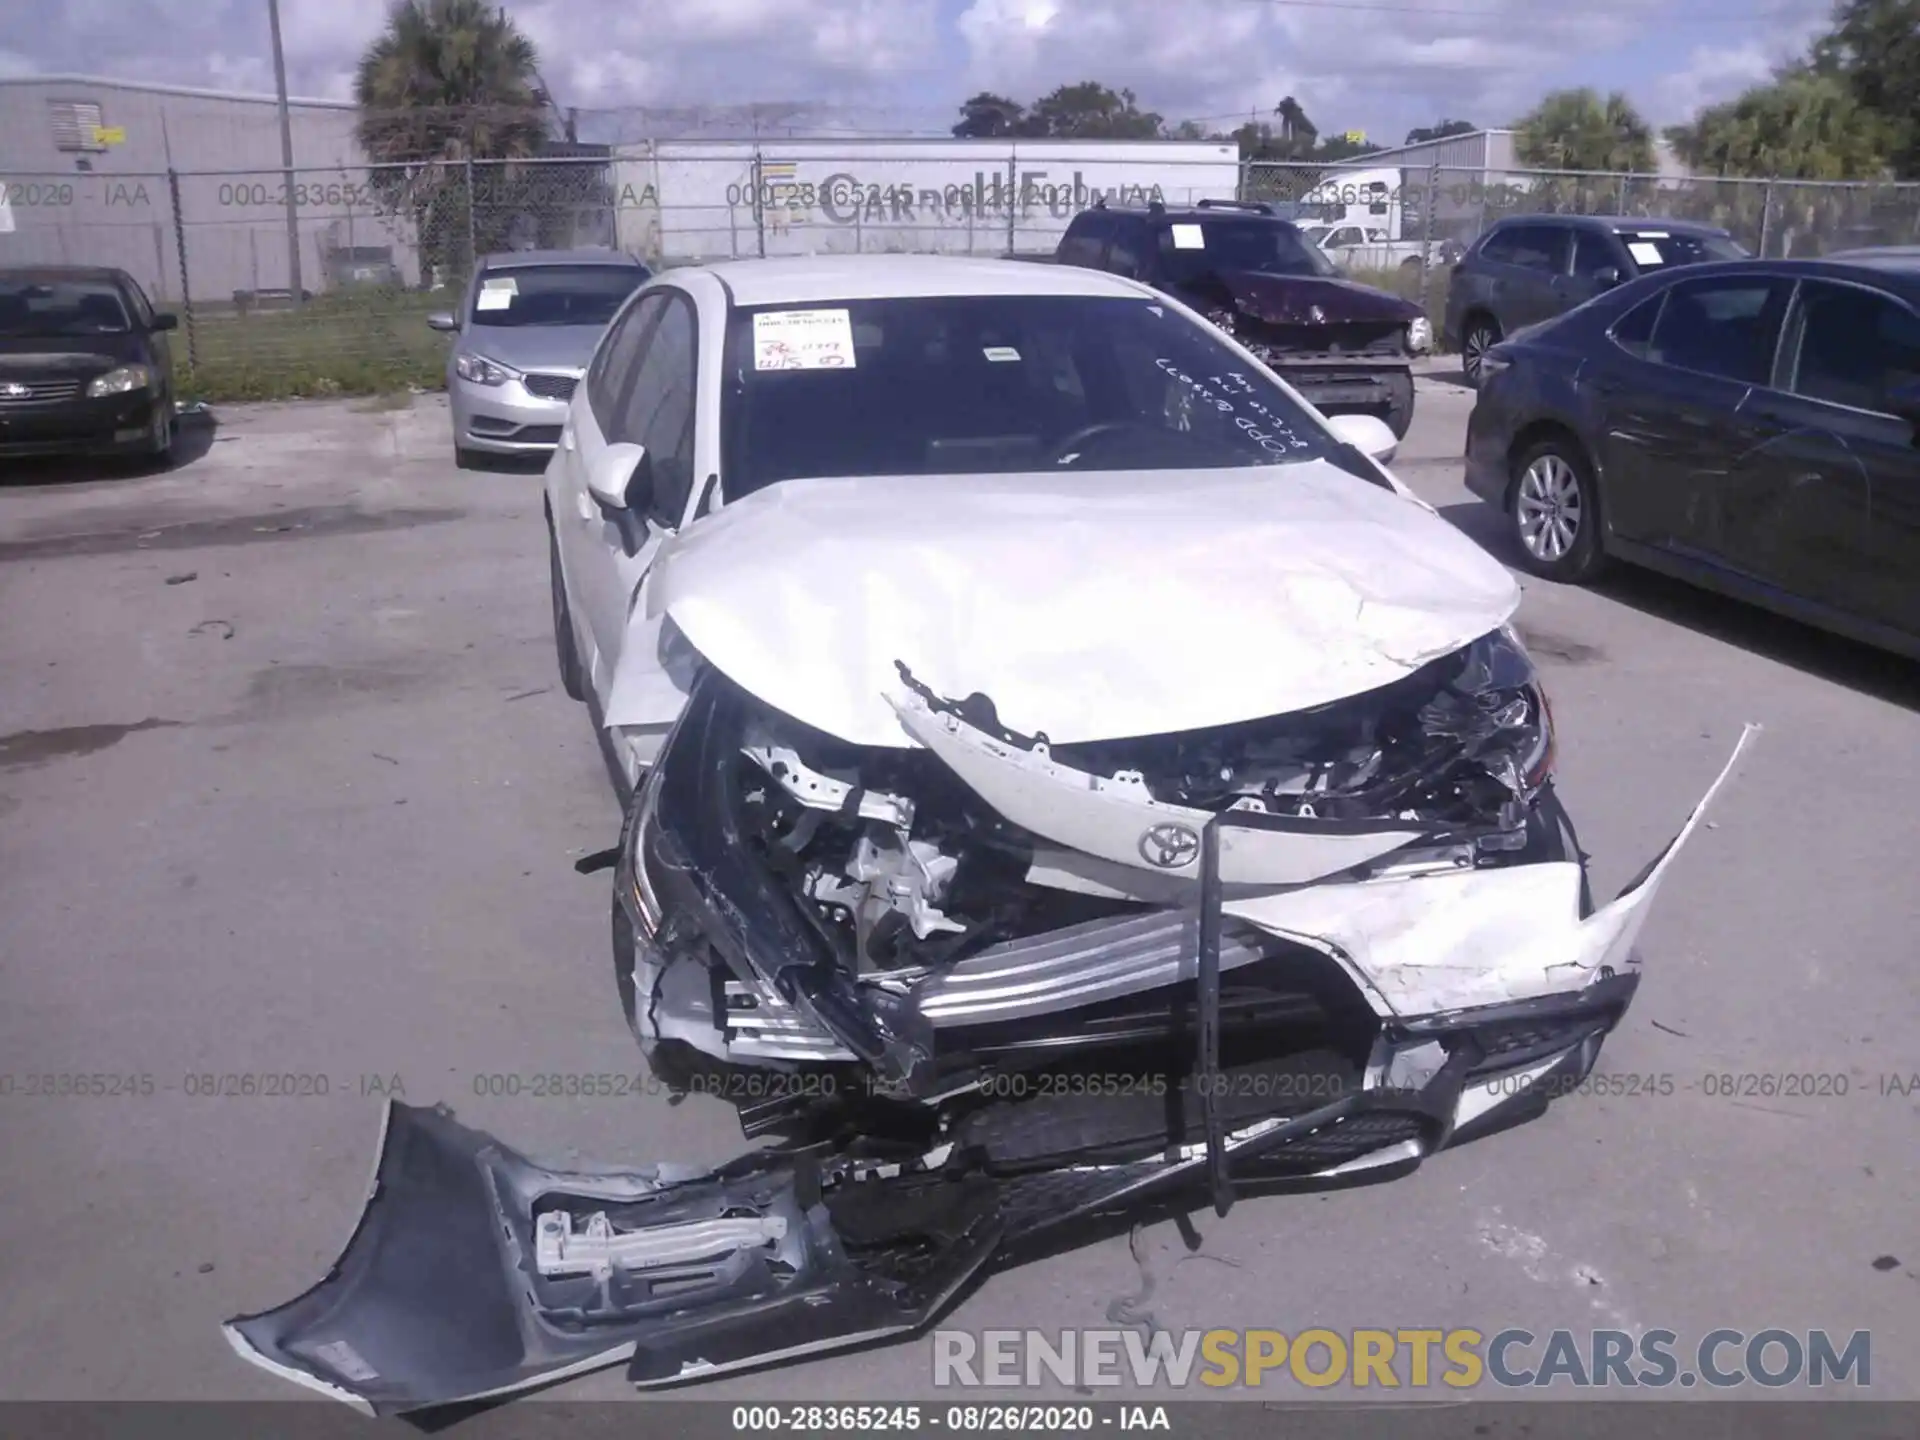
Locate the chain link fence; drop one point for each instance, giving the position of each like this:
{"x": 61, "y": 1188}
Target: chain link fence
{"x": 319, "y": 280}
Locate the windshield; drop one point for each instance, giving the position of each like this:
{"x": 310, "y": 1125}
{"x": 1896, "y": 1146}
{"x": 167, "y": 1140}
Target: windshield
{"x": 994, "y": 384}
{"x": 1191, "y": 252}
{"x": 62, "y": 307}
{"x": 554, "y": 294}
{"x": 1652, "y": 249}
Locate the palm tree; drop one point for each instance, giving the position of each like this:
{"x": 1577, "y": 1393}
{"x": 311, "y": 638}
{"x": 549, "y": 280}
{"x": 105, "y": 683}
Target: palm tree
{"x": 1297, "y": 132}
{"x": 1580, "y": 130}
{"x": 1804, "y": 125}
{"x": 446, "y": 82}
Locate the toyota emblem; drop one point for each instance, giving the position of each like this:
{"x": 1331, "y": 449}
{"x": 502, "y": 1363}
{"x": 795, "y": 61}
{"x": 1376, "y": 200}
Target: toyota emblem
{"x": 1168, "y": 847}
{"x": 13, "y": 391}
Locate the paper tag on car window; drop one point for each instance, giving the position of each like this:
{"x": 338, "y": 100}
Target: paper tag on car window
{"x": 1189, "y": 237}
{"x": 497, "y": 293}
{"x": 1001, "y": 352}
{"x": 802, "y": 340}
{"x": 1645, "y": 254}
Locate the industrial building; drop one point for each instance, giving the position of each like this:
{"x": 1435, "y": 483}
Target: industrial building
{"x": 86, "y": 162}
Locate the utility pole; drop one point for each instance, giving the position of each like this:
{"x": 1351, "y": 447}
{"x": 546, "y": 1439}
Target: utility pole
{"x": 286, "y": 153}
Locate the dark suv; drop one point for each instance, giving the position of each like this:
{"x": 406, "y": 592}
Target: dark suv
{"x": 1342, "y": 345}
{"x": 1529, "y": 268}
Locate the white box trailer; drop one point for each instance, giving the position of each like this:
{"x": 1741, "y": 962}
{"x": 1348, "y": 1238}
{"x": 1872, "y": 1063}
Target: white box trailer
{"x": 700, "y": 200}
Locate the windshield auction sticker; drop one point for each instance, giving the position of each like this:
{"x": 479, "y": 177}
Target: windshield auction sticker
{"x": 497, "y": 293}
{"x": 802, "y": 340}
{"x": 1189, "y": 237}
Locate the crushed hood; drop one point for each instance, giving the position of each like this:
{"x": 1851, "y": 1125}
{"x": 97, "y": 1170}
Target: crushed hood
{"x": 1096, "y": 606}
{"x": 1290, "y": 299}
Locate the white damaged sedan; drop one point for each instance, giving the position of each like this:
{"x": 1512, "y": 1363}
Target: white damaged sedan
{"x": 1063, "y": 771}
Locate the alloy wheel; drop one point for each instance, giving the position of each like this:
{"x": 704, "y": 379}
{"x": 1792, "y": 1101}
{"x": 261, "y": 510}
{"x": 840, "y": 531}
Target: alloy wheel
{"x": 1547, "y": 508}
{"x": 1479, "y": 340}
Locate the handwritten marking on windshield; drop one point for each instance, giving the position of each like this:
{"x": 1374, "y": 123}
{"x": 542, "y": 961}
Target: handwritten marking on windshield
{"x": 1279, "y": 440}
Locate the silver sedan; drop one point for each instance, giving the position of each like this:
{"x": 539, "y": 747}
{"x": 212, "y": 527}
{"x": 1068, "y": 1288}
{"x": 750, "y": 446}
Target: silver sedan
{"x": 526, "y": 328}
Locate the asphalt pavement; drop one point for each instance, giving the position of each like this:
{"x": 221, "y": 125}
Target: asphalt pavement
{"x": 290, "y": 802}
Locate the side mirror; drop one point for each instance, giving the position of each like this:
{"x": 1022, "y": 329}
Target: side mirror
{"x": 1606, "y": 277}
{"x": 1368, "y": 434}
{"x": 166, "y": 322}
{"x": 622, "y": 482}
{"x": 443, "y": 320}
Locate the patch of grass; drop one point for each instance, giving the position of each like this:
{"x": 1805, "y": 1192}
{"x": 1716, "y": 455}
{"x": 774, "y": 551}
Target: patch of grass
{"x": 1406, "y": 283}
{"x": 369, "y": 342}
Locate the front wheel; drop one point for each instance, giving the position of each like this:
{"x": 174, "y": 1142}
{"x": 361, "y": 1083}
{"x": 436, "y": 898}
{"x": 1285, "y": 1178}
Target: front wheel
{"x": 1399, "y": 416}
{"x": 573, "y": 677}
{"x": 1556, "y": 513}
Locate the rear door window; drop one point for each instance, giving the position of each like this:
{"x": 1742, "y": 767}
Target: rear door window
{"x": 1128, "y": 253}
{"x": 1540, "y": 247}
{"x": 1726, "y": 326}
{"x": 1592, "y": 254}
{"x": 1852, "y": 346}
{"x": 1085, "y": 242}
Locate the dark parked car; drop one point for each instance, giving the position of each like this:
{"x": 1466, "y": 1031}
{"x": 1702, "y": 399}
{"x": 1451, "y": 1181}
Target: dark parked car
{"x": 84, "y": 364}
{"x": 1529, "y": 268}
{"x": 1346, "y": 347}
{"x": 1750, "y": 426}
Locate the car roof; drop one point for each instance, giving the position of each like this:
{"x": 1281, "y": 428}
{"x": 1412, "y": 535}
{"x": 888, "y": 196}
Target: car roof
{"x": 1895, "y": 256}
{"x": 54, "y": 274}
{"x": 888, "y": 277}
{"x": 1612, "y": 224}
{"x": 595, "y": 255}
{"x": 1900, "y": 274}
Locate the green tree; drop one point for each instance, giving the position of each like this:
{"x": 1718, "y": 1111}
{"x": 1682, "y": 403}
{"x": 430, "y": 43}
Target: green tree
{"x": 1874, "y": 49}
{"x": 445, "y": 82}
{"x": 1445, "y": 130}
{"x": 988, "y": 117}
{"x": 1581, "y": 130}
{"x": 1802, "y": 126}
{"x": 1090, "y": 111}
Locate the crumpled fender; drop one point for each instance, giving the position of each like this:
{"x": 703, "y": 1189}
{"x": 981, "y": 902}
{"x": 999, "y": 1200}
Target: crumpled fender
{"x": 1474, "y": 937}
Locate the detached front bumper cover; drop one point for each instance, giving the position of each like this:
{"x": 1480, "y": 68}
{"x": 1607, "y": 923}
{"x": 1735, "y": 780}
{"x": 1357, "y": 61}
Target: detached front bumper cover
{"x": 448, "y": 1291}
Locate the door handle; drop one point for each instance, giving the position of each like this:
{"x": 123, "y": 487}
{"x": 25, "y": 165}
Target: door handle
{"x": 584, "y": 503}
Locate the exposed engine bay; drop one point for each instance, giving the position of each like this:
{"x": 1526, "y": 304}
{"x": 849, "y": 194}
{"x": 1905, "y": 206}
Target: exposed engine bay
{"x": 903, "y": 864}
{"x": 991, "y": 990}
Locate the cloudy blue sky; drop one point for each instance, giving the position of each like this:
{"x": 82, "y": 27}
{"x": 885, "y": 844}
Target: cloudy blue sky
{"x": 1381, "y": 66}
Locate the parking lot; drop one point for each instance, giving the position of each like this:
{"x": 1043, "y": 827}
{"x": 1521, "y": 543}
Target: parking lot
{"x": 288, "y": 788}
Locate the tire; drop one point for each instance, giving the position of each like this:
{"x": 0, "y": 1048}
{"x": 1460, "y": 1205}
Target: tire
{"x": 158, "y": 455}
{"x": 573, "y": 677}
{"x": 1399, "y": 416}
{"x": 1554, "y": 511}
{"x": 1480, "y": 336}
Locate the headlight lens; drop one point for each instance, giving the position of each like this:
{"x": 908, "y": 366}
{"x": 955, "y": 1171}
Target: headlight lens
{"x": 482, "y": 371}
{"x": 1497, "y": 708}
{"x": 122, "y": 381}
{"x": 647, "y": 911}
{"x": 1420, "y": 335}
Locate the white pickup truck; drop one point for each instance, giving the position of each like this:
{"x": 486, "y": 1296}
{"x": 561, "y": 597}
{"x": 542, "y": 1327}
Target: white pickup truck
{"x": 1359, "y": 247}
